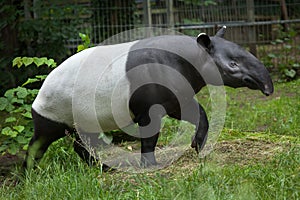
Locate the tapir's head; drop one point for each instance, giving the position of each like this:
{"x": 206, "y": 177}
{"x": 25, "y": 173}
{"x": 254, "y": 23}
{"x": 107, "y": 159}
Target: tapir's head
{"x": 237, "y": 67}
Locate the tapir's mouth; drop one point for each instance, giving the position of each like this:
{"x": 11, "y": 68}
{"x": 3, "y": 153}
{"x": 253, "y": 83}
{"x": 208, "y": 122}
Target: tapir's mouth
{"x": 253, "y": 84}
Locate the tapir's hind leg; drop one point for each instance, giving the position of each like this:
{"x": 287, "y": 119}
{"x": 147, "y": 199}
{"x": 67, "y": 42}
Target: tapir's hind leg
{"x": 45, "y": 132}
{"x": 82, "y": 150}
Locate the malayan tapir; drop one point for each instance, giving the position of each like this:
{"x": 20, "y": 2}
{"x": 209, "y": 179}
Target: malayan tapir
{"x": 54, "y": 107}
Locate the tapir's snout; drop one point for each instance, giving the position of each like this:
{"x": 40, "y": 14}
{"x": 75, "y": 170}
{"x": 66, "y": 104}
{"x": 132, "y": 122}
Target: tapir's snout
{"x": 260, "y": 81}
{"x": 268, "y": 89}
{"x": 266, "y": 83}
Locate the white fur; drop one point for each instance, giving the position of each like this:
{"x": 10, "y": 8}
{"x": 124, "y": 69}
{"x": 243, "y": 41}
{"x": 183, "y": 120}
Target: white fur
{"x": 80, "y": 90}
{"x": 201, "y": 34}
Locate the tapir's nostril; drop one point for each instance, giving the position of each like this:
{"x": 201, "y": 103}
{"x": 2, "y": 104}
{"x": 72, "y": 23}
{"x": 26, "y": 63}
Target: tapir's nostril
{"x": 268, "y": 89}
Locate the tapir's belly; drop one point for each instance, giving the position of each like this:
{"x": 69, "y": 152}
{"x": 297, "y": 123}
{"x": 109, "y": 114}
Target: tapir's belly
{"x": 89, "y": 90}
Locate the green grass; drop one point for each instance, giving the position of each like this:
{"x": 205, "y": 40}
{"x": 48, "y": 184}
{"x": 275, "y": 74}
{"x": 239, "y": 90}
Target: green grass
{"x": 280, "y": 114}
{"x": 257, "y": 157}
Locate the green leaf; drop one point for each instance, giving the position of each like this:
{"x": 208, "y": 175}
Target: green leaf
{"x": 27, "y": 107}
{"x": 30, "y": 80}
{"x": 10, "y": 119}
{"x": 27, "y": 115}
{"x": 25, "y": 147}
{"x": 38, "y": 61}
{"x": 41, "y": 77}
{"x": 21, "y": 139}
{"x": 19, "y": 128}
{"x": 82, "y": 36}
{"x": 9, "y": 132}
{"x": 17, "y": 61}
{"x": 18, "y": 110}
{"x": 50, "y": 63}
{"x": 80, "y": 48}
{"x": 290, "y": 73}
{"x": 13, "y": 149}
{"x": 6, "y": 131}
{"x": 9, "y": 93}
{"x": 16, "y": 100}
{"x": 53, "y": 63}
{"x": 3, "y": 103}
{"x": 27, "y": 61}
{"x": 43, "y": 60}
{"x": 21, "y": 92}
{"x": 9, "y": 107}
{"x": 296, "y": 65}
{"x": 33, "y": 92}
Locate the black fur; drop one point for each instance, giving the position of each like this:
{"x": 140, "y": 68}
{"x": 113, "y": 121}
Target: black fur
{"x": 47, "y": 131}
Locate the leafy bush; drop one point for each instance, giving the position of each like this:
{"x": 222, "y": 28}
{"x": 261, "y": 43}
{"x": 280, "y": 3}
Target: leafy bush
{"x": 16, "y": 107}
{"x": 283, "y": 57}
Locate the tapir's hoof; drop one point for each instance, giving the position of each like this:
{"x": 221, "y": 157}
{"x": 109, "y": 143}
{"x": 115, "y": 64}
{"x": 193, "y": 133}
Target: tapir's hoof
{"x": 106, "y": 168}
{"x": 148, "y": 160}
{"x": 147, "y": 164}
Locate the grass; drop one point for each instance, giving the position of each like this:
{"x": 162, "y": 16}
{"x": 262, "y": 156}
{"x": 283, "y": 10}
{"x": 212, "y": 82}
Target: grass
{"x": 257, "y": 157}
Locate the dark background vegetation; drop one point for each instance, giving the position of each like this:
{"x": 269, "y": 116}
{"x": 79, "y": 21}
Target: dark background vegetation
{"x": 50, "y": 28}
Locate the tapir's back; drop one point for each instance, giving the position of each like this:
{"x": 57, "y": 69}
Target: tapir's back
{"x": 92, "y": 86}
{"x": 72, "y": 88}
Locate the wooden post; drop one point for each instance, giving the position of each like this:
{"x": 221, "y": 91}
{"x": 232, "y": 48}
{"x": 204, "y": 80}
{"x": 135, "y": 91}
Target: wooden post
{"x": 147, "y": 13}
{"x": 284, "y": 14}
{"x": 170, "y": 13}
{"x": 251, "y": 29}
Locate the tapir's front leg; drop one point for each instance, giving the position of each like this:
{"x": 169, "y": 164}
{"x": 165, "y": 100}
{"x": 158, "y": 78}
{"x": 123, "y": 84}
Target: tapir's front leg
{"x": 199, "y": 119}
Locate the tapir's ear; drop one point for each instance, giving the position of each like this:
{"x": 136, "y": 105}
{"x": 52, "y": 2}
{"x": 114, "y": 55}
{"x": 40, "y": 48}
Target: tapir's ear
{"x": 221, "y": 32}
{"x": 204, "y": 40}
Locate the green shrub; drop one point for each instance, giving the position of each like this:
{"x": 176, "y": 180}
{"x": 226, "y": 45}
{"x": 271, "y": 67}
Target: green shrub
{"x": 283, "y": 58}
{"x": 15, "y": 106}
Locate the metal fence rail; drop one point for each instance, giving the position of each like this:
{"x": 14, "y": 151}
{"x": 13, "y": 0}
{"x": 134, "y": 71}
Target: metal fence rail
{"x": 251, "y": 23}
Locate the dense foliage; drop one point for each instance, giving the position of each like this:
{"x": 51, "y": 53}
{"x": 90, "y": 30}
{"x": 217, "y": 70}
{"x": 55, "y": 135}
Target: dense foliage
{"x": 282, "y": 56}
{"x": 15, "y": 105}
{"x": 36, "y": 28}
{"x": 16, "y": 127}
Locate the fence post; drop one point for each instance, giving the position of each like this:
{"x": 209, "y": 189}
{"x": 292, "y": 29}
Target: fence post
{"x": 147, "y": 13}
{"x": 284, "y": 14}
{"x": 170, "y": 13}
{"x": 251, "y": 28}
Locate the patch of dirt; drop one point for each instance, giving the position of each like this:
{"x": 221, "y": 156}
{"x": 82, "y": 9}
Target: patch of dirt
{"x": 236, "y": 152}
{"x": 7, "y": 165}
{"x": 245, "y": 152}
{"x": 7, "y": 162}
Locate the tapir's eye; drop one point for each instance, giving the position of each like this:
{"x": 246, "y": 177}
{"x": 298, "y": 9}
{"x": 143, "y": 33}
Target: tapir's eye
{"x": 233, "y": 64}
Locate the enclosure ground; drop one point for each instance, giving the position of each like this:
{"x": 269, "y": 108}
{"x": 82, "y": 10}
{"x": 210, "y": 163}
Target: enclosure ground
{"x": 257, "y": 157}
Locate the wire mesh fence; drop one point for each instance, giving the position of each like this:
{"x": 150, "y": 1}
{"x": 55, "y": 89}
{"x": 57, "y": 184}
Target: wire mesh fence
{"x": 262, "y": 26}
